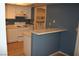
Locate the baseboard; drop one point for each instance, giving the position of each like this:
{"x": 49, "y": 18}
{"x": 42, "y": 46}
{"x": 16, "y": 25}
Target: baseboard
{"x": 53, "y": 54}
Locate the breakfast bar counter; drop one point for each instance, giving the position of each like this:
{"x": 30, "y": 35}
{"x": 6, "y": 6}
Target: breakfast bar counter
{"x": 47, "y": 31}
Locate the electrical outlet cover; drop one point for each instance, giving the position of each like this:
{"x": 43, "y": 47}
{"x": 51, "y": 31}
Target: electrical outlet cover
{"x": 53, "y": 21}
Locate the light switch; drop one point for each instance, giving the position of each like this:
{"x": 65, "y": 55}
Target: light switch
{"x": 49, "y": 23}
{"x": 53, "y": 21}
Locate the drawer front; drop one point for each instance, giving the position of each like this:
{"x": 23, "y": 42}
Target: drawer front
{"x": 16, "y": 48}
{"x": 20, "y": 51}
{"x": 10, "y": 46}
{"x": 15, "y": 45}
{"x": 11, "y": 53}
{"x": 11, "y": 35}
{"x": 20, "y": 44}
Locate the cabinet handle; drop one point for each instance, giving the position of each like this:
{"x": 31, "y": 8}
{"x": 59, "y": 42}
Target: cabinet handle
{"x": 20, "y": 36}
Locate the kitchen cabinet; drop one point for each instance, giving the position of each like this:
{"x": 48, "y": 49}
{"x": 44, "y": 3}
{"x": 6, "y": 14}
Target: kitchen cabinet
{"x": 16, "y": 48}
{"x": 27, "y": 43}
{"x": 10, "y": 11}
{"x": 20, "y": 34}
{"x": 15, "y": 35}
{"x": 40, "y": 17}
{"x": 23, "y": 11}
{"x": 11, "y": 35}
{"x": 15, "y": 10}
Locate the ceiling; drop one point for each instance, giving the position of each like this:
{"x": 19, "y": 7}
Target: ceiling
{"x": 30, "y": 4}
{"x": 21, "y": 4}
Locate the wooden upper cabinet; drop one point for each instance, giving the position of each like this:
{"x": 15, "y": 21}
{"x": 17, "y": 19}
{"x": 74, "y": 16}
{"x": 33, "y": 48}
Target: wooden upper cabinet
{"x": 10, "y": 11}
{"x": 40, "y": 18}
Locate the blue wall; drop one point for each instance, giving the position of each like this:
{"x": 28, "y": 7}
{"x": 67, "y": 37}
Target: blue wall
{"x": 43, "y": 45}
{"x": 66, "y": 16}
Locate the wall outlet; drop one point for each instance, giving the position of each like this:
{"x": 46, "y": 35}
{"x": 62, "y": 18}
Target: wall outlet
{"x": 53, "y": 21}
{"x": 49, "y": 23}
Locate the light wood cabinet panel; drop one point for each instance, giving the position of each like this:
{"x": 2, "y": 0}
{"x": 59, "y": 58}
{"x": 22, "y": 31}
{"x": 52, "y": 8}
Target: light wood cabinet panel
{"x": 11, "y": 35}
{"x": 10, "y": 12}
{"x": 40, "y": 18}
{"x": 16, "y": 48}
{"x": 20, "y": 34}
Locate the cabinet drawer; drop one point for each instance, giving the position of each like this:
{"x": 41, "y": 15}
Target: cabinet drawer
{"x": 18, "y": 51}
{"x": 12, "y": 46}
{"x": 10, "y": 53}
{"x": 15, "y": 48}
{"x": 20, "y": 44}
{"x": 21, "y": 37}
{"x": 27, "y": 33}
{"x": 21, "y": 50}
{"x": 15, "y": 45}
{"x": 11, "y": 35}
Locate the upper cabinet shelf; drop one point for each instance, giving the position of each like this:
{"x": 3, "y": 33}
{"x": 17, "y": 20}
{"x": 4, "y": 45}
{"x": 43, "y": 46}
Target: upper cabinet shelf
{"x": 40, "y": 17}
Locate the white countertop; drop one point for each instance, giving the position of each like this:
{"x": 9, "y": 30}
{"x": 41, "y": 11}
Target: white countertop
{"x": 28, "y": 27}
{"x": 49, "y": 30}
{"x": 38, "y": 32}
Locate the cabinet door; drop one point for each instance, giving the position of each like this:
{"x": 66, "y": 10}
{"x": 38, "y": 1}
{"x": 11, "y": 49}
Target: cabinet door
{"x": 27, "y": 42}
{"x": 10, "y": 12}
{"x": 19, "y": 34}
{"x": 12, "y": 47}
{"x": 11, "y": 35}
{"x": 40, "y": 17}
{"x": 16, "y": 48}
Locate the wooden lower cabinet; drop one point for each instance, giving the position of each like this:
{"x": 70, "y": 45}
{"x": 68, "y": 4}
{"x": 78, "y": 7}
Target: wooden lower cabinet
{"x": 16, "y": 48}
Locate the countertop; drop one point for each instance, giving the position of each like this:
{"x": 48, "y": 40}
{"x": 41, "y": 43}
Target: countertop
{"x": 49, "y": 30}
{"x": 38, "y": 32}
{"x": 19, "y": 27}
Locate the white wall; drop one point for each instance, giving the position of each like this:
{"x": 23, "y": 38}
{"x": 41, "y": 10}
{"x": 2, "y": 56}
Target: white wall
{"x": 76, "y": 53}
{"x": 3, "y": 42}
